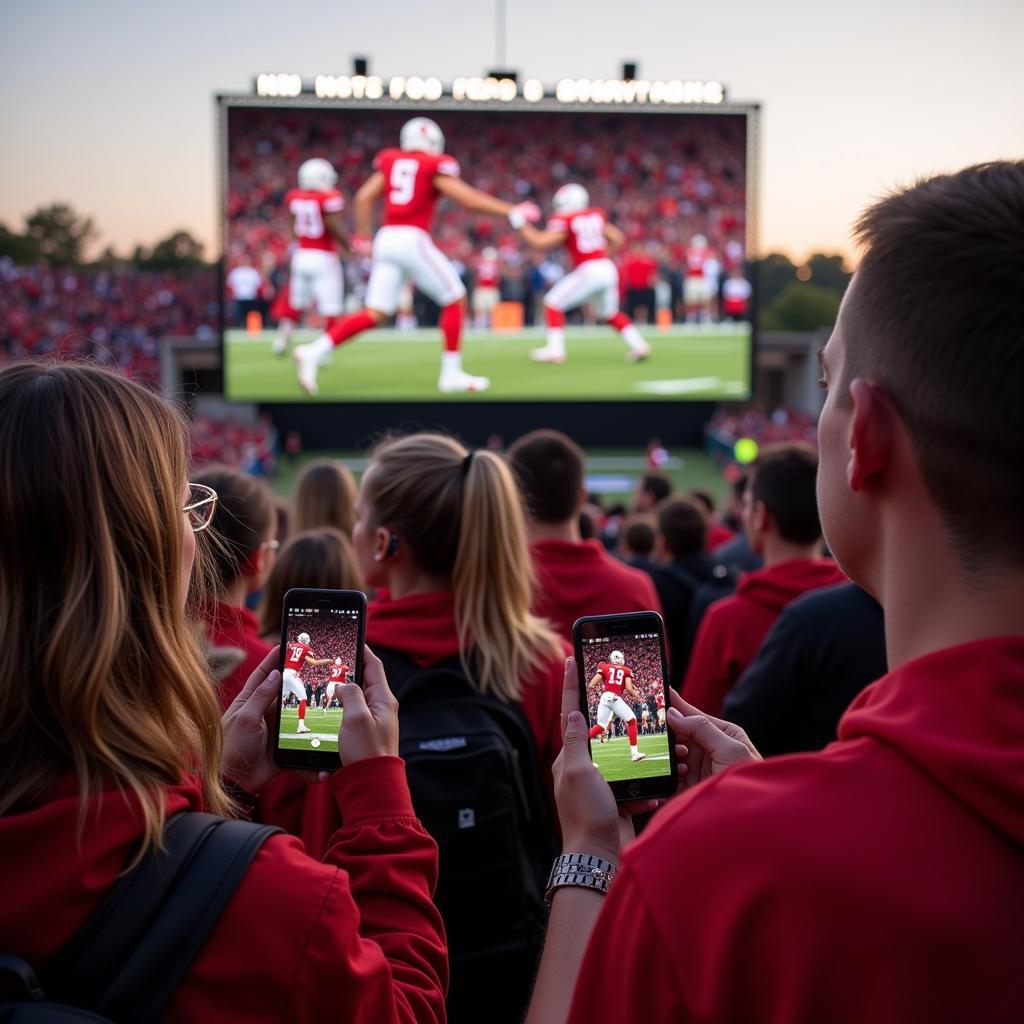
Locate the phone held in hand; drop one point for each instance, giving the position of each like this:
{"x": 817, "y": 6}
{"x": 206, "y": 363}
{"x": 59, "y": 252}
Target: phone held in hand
{"x": 322, "y": 638}
{"x": 624, "y": 694}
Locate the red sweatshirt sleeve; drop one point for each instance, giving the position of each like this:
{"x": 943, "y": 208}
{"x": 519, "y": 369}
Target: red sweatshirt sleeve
{"x": 626, "y": 974}
{"x": 707, "y": 675}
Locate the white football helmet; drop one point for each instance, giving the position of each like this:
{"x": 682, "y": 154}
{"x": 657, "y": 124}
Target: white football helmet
{"x": 303, "y": 638}
{"x": 337, "y": 661}
{"x": 489, "y": 253}
{"x": 570, "y": 198}
{"x": 699, "y": 241}
{"x": 617, "y": 658}
{"x": 421, "y": 135}
{"x": 317, "y": 175}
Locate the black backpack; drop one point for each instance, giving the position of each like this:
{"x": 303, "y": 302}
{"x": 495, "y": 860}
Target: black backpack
{"x": 472, "y": 767}
{"x": 125, "y": 962}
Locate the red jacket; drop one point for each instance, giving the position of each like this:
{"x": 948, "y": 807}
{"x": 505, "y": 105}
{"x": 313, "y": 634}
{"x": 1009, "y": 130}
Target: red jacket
{"x": 236, "y": 627}
{"x": 577, "y": 578}
{"x": 355, "y": 938}
{"x": 422, "y": 626}
{"x": 731, "y": 632}
{"x": 879, "y": 880}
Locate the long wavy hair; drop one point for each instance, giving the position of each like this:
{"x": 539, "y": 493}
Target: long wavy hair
{"x": 464, "y": 521}
{"x": 100, "y": 673}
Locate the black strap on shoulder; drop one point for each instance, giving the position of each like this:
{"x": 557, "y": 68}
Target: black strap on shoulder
{"x": 129, "y": 956}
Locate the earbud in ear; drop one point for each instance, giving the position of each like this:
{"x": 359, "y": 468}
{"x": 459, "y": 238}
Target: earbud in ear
{"x": 392, "y": 549}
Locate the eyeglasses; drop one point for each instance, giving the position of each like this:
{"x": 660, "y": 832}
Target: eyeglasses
{"x": 271, "y": 545}
{"x": 202, "y": 502}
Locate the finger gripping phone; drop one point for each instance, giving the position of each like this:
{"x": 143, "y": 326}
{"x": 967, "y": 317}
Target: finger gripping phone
{"x": 322, "y": 638}
{"x": 624, "y": 694}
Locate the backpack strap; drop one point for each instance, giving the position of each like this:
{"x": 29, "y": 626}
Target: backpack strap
{"x": 130, "y": 955}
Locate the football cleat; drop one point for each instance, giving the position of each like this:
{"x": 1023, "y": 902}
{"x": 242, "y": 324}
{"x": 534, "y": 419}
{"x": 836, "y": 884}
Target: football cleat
{"x": 317, "y": 175}
{"x": 302, "y": 727}
{"x": 638, "y": 756}
{"x": 547, "y": 354}
{"x": 456, "y": 381}
{"x": 638, "y": 354}
{"x": 279, "y": 346}
{"x": 306, "y": 365}
{"x": 570, "y": 198}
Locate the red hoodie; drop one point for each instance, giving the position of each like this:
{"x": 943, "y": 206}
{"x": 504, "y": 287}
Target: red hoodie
{"x": 879, "y": 880}
{"x": 577, "y": 578}
{"x": 733, "y": 627}
{"x": 236, "y": 627}
{"x": 422, "y": 626}
{"x": 356, "y": 938}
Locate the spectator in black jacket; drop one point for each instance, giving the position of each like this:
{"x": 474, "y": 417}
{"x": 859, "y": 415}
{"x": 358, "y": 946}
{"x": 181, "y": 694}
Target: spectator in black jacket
{"x": 637, "y": 542}
{"x": 824, "y": 649}
{"x": 682, "y": 529}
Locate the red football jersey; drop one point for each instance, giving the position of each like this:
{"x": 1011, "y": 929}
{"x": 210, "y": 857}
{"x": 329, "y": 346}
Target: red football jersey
{"x": 296, "y": 656}
{"x": 584, "y": 236}
{"x": 410, "y": 194}
{"x": 487, "y": 274}
{"x": 308, "y": 209}
{"x": 614, "y": 676}
{"x": 659, "y": 699}
{"x": 339, "y": 673}
{"x": 695, "y": 257}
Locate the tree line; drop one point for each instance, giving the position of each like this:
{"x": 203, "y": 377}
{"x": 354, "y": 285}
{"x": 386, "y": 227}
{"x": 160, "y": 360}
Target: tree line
{"x": 791, "y": 297}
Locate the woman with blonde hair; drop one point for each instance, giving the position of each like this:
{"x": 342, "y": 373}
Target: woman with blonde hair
{"x": 325, "y": 495}
{"x": 109, "y": 724}
{"x": 441, "y": 529}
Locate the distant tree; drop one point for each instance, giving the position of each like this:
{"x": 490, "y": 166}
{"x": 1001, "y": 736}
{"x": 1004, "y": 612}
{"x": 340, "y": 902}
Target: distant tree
{"x": 19, "y": 248}
{"x": 178, "y": 251}
{"x": 802, "y": 307}
{"x": 60, "y": 234}
{"x": 774, "y": 273}
{"x": 829, "y": 272}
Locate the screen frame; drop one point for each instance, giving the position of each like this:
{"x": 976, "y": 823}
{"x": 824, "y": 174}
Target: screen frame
{"x": 315, "y": 760}
{"x": 438, "y": 411}
{"x": 628, "y": 624}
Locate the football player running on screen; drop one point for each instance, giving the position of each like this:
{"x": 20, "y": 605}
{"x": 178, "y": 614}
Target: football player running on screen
{"x": 339, "y": 677}
{"x": 615, "y": 676}
{"x": 315, "y": 278}
{"x": 411, "y": 179}
{"x": 297, "y": 655}
{"x": 591, "y": 241}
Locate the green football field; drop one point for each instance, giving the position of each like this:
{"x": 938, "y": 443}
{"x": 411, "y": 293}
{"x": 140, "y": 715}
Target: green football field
{"x": 323, "y": 726}
{"x": 612, "y": 757}
{"x": 698, "y": 361}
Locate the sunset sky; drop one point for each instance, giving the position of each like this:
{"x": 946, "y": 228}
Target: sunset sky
{"x": 109, "y": 104}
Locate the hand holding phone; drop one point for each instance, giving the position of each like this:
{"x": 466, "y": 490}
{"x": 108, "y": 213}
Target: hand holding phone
{"x": 624, "y": 694}
{"x": 322, "y": 638}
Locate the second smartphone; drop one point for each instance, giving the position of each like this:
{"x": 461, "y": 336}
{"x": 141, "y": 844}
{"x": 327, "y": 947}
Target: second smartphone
{"x": 624, "y": 694}
{"x": 322, "y": 638}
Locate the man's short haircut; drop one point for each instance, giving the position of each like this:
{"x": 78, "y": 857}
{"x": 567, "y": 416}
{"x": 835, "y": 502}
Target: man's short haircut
{"x": 657, "y": 485}
{"x": 783, "y": 479}
{"x": 638, "y": 537}
{"x": 683, "y": 525}
{"x": 936, "y": 318}
{"x": 704, "y": 496}
{"x": 548, "y": 467}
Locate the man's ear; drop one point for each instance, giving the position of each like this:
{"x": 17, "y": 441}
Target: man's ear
{"x": 871, "y": 434}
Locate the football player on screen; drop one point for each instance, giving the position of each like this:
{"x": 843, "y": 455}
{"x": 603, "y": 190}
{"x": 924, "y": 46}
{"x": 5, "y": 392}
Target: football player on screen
{"x": 339, "y": 677}
{"x": 411, "y": 179}
{"x": 297, "y": 654}
{"x": 315, "y": 277}
{"x": 615, "y": 676}
{"x": 591, "y": 241}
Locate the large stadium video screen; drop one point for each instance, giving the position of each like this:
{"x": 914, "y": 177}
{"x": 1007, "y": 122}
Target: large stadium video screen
{"x": 640, "y": 291}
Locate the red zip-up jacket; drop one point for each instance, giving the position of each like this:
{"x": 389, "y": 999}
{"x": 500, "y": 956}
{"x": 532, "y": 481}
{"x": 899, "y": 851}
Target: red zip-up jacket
{"x": 881, "y": 879}
{"x": 423, "y": 627}
{"x": 576, "y": 578}
{"x": 733, "y": 628}
{"x": 355, "y": 938}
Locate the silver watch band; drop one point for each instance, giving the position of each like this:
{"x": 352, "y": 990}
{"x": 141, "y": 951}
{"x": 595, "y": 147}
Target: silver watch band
{"x": 582, "y": 870}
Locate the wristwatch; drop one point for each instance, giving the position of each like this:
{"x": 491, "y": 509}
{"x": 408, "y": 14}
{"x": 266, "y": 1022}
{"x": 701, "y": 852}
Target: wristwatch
{"x": 583, "y": 870}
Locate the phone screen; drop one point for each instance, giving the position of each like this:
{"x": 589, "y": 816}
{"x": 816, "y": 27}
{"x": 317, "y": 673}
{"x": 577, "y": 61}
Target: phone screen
{"x": 321, "y": 653}
{"x": 623, "y": 677}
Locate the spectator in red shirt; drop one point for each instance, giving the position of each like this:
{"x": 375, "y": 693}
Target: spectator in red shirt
{"x": 574, "y": 577}
{"x": 879, "y": 879}
{"x": 120, "y": 729}
{"x": 780, "y": 515}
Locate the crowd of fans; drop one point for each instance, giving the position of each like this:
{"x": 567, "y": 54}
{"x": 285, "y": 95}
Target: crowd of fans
{"x": 116, "y": 315}
{"x": 661, "y": 184}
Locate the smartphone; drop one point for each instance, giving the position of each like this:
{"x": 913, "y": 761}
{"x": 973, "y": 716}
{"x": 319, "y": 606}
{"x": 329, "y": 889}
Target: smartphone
{"x": 624, "y": 694}
{"x": 322, "y": 638}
